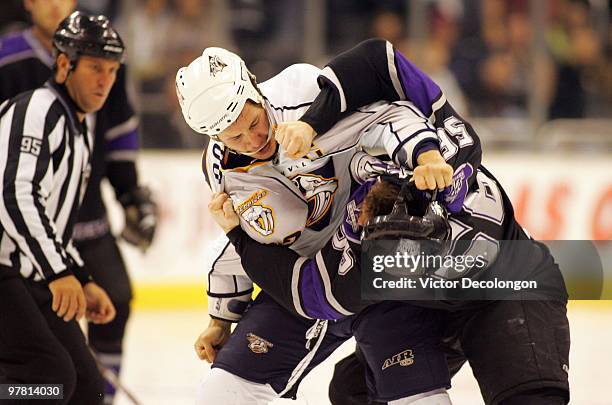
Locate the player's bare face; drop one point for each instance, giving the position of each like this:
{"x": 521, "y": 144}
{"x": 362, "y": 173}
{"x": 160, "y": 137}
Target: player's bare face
{"x": 91, "y": 81}
{"x": 250, "y": 133}
{"x": 47, "y": 14}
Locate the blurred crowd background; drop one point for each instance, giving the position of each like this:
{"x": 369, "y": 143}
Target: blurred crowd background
{"x": 531, "y": 74}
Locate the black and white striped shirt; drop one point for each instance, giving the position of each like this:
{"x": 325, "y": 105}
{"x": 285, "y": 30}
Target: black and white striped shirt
{"x": 44, "y": 167}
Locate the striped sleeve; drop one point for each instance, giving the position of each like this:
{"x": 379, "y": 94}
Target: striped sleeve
{"x": 74, "y": 254}
{"x": 27, "y": 179}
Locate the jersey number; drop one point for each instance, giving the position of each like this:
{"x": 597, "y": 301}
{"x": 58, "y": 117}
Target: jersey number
{"x": 487, "y": 205}
{"x": 31, "y": 145}
{"x": 340, "y": 243}
{"x": 455, "y": 128}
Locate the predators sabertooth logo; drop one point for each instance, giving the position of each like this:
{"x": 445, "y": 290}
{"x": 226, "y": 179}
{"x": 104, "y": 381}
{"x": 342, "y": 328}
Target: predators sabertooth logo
{"x": 319, "y": 192}
{"x": 404, "y": 359}
{"x": 216, "y": 65}
{"x": 258, "y": 345}
{"x": 258, "y": 216}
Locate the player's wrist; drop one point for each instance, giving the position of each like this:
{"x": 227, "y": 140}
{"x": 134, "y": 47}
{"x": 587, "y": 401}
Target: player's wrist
{"x": 229, "y": 228}
{"x": 234, "y": 233}
{"x": 430, "y": 156}
{"x": 219, "y": 323}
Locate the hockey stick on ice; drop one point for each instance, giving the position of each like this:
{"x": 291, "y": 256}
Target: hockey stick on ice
{"x": 112, "y": 378}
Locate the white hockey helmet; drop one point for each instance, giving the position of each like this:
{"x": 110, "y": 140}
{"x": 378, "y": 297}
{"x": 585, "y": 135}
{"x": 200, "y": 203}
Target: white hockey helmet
{"x": 213, "y": 89}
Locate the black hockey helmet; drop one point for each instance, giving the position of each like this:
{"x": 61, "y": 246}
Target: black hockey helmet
{"x": 84, "y": 34}
{"x": 413, "y": 216}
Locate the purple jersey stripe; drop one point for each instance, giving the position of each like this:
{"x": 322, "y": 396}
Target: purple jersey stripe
{"x": 313, "y": 295}
{"x": 418, "y": 87}
{"x": 12, "y": 44}
{"x": 127, "y": 141}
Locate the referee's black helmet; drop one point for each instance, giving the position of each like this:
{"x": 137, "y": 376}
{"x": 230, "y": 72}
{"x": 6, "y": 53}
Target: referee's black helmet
{"x": 92, "y": 35}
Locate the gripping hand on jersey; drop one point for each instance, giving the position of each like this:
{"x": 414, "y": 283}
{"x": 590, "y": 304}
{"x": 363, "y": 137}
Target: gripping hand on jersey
{"x": 222, "y": 211}
{"x": 295, "y": 137}
{"x": 140, "y": 217}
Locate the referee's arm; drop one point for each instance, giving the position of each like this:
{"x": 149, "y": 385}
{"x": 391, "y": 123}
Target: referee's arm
{"x": 27, "y": 176}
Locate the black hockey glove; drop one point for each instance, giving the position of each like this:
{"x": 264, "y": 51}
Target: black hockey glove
{"x": 140, "y": 217}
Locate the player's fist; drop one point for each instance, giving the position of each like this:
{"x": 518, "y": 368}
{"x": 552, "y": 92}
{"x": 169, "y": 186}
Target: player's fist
{"x": 212, "y": 339}
{"x": 432, "y": 171}
{"x": 222, "y": 211}
{"x": 295, "y": 137}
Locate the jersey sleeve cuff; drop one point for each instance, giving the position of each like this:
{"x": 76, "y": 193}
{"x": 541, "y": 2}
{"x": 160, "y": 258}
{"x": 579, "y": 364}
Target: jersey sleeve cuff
{"x": 425, "y": 146}
{"x": 82, "y": 274}
{"x": 64, "y": 273}
{"x": 219, "y": 318}
{"x": 236, "y": 235}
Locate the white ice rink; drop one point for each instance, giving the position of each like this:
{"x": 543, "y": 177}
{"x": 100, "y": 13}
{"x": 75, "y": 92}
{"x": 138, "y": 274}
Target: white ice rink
{"x": 161, "y": 367}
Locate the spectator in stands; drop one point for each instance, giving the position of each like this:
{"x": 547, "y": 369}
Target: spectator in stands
{"x": 434, "y": 54}
{"x": 146, "y": 29}
{"x": 577, "y": 52}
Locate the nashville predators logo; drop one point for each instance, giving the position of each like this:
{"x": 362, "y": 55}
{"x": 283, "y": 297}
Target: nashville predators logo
{"x": 258, "y": 216}
{"x": 404, "y": 359}
{"x": 258, "y": 345}
{"x": 319, "y": 192}
{"x": 216, "y": 65}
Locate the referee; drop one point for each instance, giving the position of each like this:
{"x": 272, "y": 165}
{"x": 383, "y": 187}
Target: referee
{"x": 45, "y": 149}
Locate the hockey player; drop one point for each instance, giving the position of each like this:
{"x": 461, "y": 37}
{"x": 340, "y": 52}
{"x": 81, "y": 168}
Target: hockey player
{"x": 375, "y": 70}
{"x": 44, "y": 165}
{"x": 26, "y": 62}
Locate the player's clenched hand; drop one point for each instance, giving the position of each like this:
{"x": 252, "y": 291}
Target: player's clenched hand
{"x": 222, "y": 211}
{"x": 295, "y": 137}
{"x": 212, "y": 339}
{"x": 100, "y": 309}
{"x": 432, "y": 171}
{"x": 68, "y": 298}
